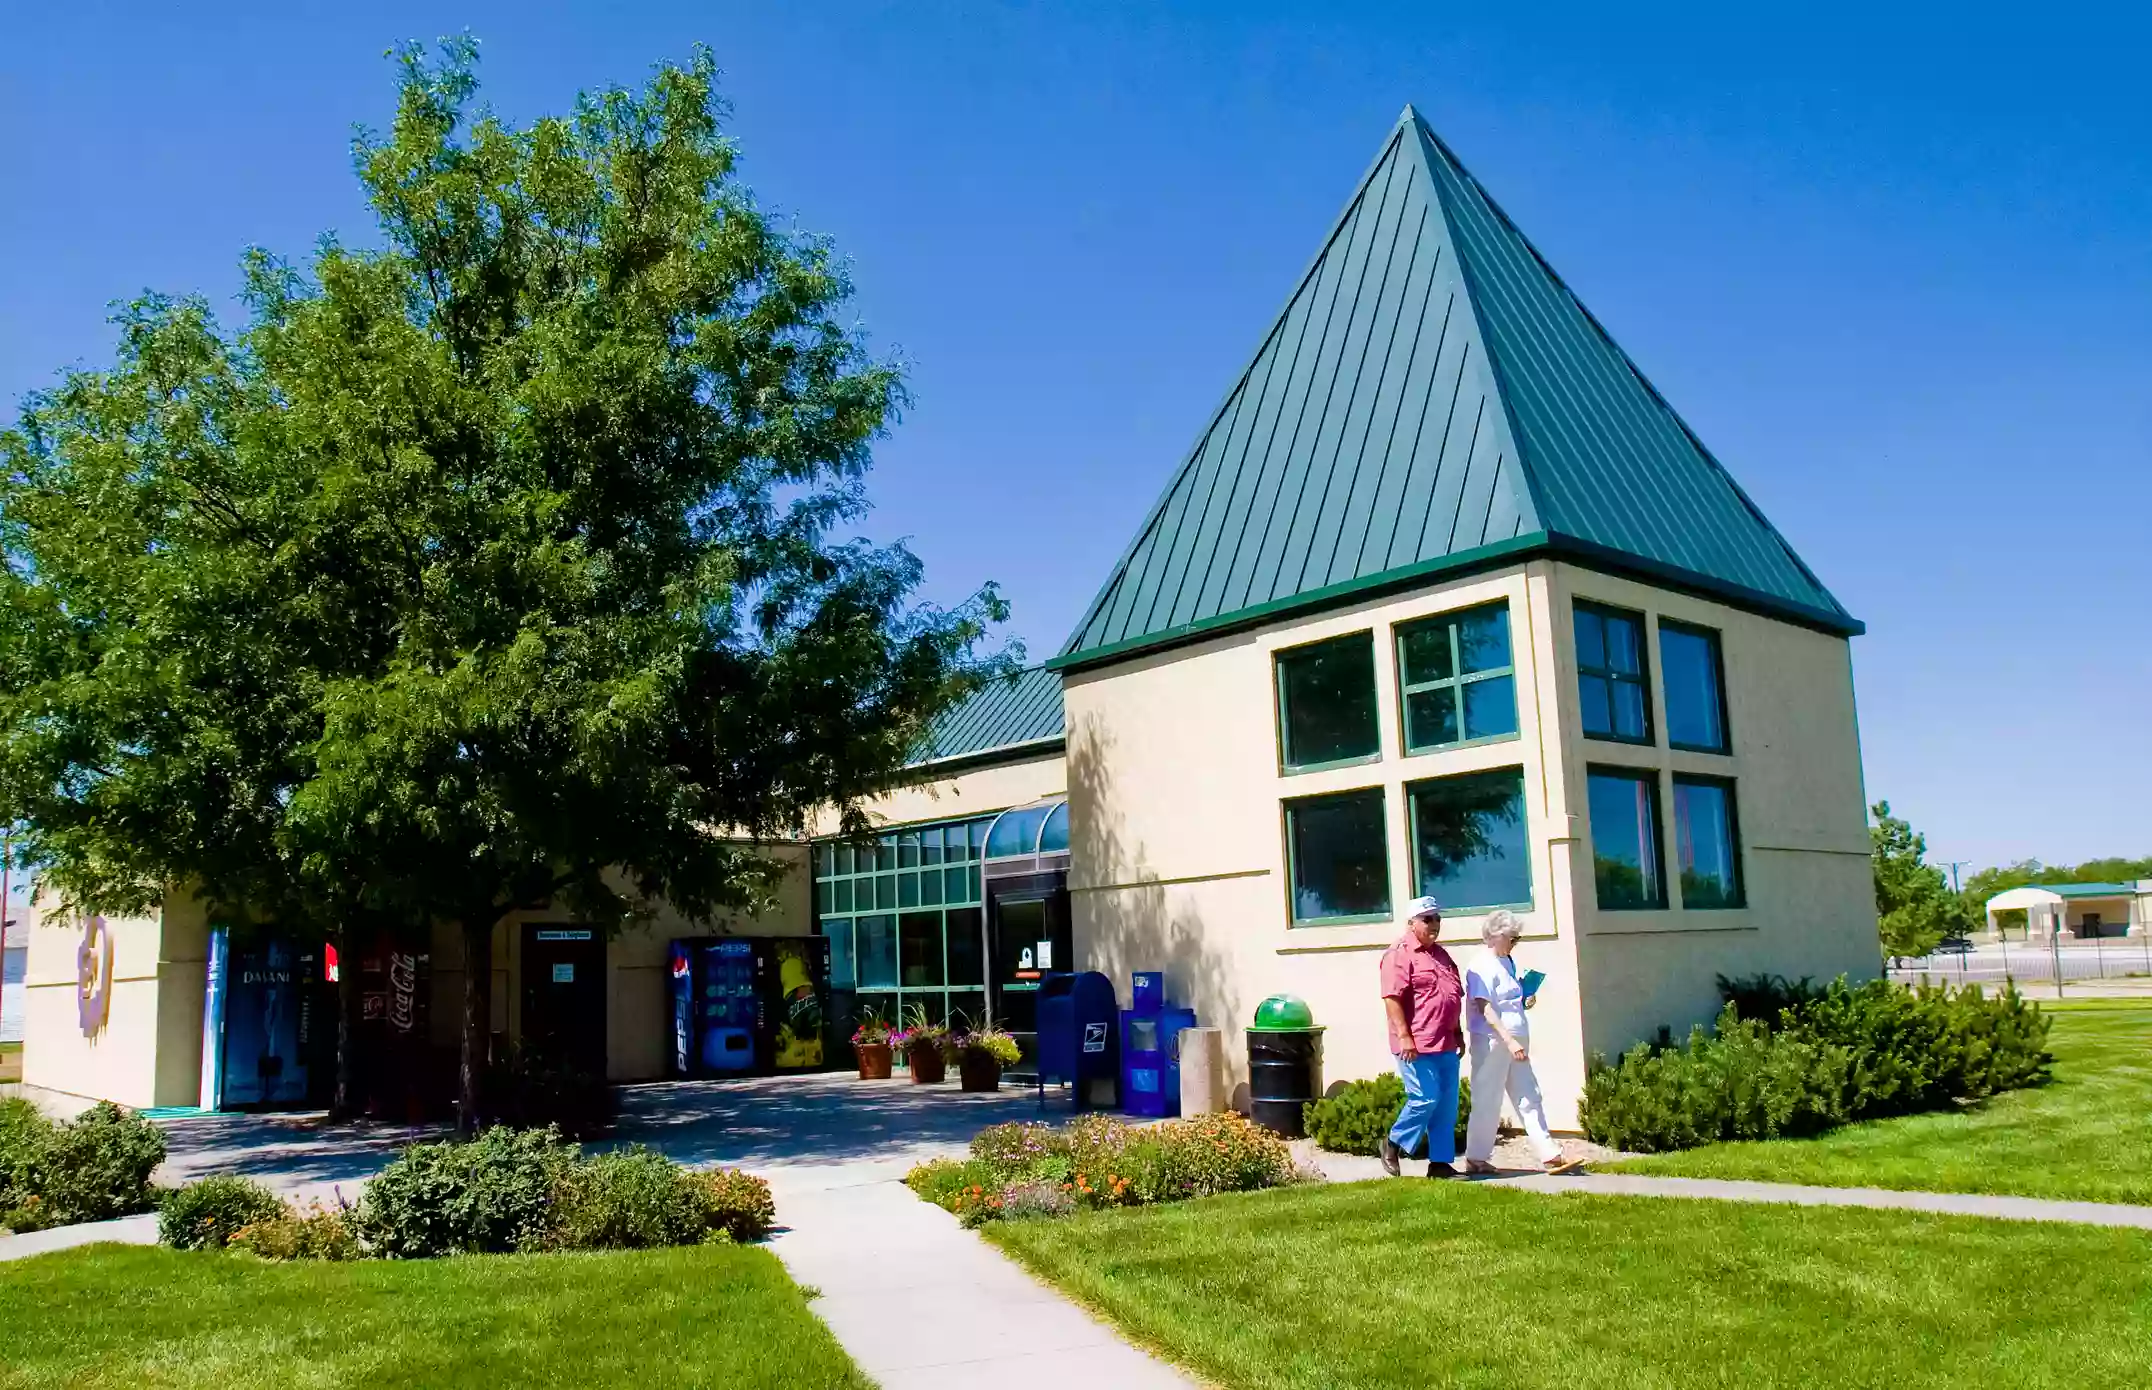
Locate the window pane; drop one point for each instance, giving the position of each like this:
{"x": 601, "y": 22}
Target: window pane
{"x": 844, "y": 859}
{"x": 1591, "y": 640}
{"x": 885, "y": 891}
{"x": 825, "y": 895}
{"x": 885, "y": 853}
{"x": 967, "y": 952}
{"x": 1431, "y": 717}
{"x": 1689, "y": 664}
{"x": 1628, "y": 709}
{"x": 976, "y": 831}
{"x": 1340, "y": 864}
{"x": 1329, "y": 695}
{"x": 1054, "y": 835}
{"x": 1625, "y": 840}
{"x": 1490, "y": 707}
{"x": 839, "y": 932}
{"x": 919, "y": 948}
{"x": 1483, "y": 640}
{"x": 930, "y": 888}
{"x": 930, "y": 846}
{"x": 881, "y": 1006}
{"x": 1595, "y": 704}
{"x": 877, "y": 952}
{"x": 1424, "y": 649}
{"x": 908, "y": 850}
{"x": 1624, "y": 644}
{"x": 825, "y": 860}
{"x": 844, "y": 895}
{"x": 967, "y": 1005}
{"x": 953, "y": 886}
{"x": 1469, "y": 839}
{"x": 1705, "y": 845}
{"x": 907, "y": 890}
{"x": 971, "y": 886}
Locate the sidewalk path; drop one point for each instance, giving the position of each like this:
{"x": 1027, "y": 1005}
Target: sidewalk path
{"x": 128, "y": 1230}
{"x": 1354, "y": 1168}
{"x": 890, "y": 1269}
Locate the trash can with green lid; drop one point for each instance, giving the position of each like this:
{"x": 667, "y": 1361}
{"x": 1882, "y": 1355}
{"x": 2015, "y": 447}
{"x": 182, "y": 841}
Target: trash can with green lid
{"x": 1285, "y": 1064}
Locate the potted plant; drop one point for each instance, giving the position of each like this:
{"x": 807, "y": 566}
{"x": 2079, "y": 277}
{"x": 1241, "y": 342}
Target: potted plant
{"x": 982, "y": 1054}
{"x": 922, "y": 1041}
{"x": 870, "y": 1043}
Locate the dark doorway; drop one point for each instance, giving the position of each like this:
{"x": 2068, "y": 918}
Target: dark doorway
{"x": 564, "y": 994}
{"x": 1027, "y": 940}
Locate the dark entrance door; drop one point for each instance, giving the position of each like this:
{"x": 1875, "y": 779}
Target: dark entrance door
{"x": 564, "y": 994}
{"x": 1027, "y": 940}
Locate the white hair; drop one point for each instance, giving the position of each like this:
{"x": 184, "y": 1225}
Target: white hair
{"x": 1501, "y": 922}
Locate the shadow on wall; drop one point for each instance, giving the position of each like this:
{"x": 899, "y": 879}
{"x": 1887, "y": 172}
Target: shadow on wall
{"x": 1132, "y": 921}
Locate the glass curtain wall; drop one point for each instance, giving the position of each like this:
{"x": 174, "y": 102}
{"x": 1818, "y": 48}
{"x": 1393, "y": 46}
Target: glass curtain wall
{"x": 904, "y": 914}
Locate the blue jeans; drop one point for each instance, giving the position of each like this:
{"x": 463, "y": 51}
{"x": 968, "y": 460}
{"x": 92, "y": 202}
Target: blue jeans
{"x": 1430, "y": 1105}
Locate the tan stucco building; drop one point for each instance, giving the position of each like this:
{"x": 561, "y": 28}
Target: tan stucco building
{"x": 1444, "y": 599}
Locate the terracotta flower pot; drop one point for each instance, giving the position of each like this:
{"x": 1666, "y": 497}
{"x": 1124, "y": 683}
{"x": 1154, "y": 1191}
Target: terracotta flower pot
{"x": 979, "y": 1072}
{"x": 926, "y": 1062}
{"x": 875, "y": 1060}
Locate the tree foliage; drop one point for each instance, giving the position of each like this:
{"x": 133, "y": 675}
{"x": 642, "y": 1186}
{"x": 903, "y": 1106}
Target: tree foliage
{"x": 1915, "y": 907}
{"x": 493, "y": 566}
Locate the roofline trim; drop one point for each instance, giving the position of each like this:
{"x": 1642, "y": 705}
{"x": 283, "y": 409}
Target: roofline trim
{"x": 984, "y": 757}
{"x": 1590, "y": 554}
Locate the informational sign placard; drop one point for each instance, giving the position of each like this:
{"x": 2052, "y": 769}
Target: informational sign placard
{"x": 1094, "y": 1037}
{"x": 563, "y": 972}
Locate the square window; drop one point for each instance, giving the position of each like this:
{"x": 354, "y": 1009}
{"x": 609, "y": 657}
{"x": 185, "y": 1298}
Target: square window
{"x": 1694, "y": 674}
{"x": 907, "y": 890}
{"x": 1707, "y": 843}
{"x": 1469, "y": 844}
{"x": 908, "y": 850}
{"x": 885, "y": 891}
{"x": 839, "y": 932}
{"x": 1340, "y": 858}
{"x": 930, "y": 846}
{"x": 930, "y": 888}
{"x": 919, "y": 948}
{"x": 967, "y": 946}
{"x": 844, "y": 860}
{"x": 1626, "y": 867}
{"x": 1326, "y": 702}
{"x": 885, "y": 854}
{"x": 953, "y": 890}
{"x": 1611, "y": 680}
{"x": 1457, "y": 683}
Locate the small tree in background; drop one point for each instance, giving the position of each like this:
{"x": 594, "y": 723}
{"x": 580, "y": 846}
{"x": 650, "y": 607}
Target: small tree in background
{"x": 1915, "y": 907}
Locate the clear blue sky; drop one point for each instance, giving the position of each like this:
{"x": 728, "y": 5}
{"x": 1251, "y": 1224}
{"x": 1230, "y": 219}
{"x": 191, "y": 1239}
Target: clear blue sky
{"x": 1894, "y": 265}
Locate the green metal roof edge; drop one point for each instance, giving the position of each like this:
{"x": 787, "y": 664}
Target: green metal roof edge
{"x": 1588, "y": 553}
{"x": 985, "y": 757}
{"x": 1330, "y": 595}
{"x": 2088, "y": 890}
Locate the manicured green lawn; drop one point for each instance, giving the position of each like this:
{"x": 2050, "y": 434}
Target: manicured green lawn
{"x": 1412, "y": 1284}
{"x": 715, "y": 1316}
{"x": 2085, "y": 1135}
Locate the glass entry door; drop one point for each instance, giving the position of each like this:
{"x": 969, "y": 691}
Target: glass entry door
{"x": 1028, "y": 935}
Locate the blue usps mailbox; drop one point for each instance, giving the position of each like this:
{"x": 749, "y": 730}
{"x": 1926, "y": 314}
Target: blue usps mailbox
{"x": 1076, "y": 1034}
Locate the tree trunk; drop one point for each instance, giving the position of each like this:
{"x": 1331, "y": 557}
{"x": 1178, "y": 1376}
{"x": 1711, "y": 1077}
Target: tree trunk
{"x": 477, "y": 1018}
{"x": 345, "y": 1105}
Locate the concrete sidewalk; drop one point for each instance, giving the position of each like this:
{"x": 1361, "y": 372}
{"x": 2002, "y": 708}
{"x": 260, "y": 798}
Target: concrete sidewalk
{"x": 920, "y": 1302}
{"x": 127, "y": 1230}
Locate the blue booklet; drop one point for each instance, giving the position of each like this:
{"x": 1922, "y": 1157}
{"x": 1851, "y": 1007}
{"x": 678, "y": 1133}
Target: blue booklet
{"x": 1532, "y": 980}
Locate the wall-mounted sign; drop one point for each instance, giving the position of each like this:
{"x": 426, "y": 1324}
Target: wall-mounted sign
{"x": 563, "y": 934}
{"x": 93, "y": 976}
{"x": 1094, "y": 1037}
{"x": 563, "y": 972}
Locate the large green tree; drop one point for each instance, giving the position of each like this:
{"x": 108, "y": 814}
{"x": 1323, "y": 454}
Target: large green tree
{"x": 495, "y": 565}
{"x": 1915, "y": 907}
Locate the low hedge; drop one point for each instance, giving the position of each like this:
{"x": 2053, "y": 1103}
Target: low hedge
{"x": 505, "y": 1191}
{"x": 1031, "y": 1170}
{"x": 91, "y": 1168}
{"x": 1821, "y": 1058}
{"x": 1355, "y": 1116}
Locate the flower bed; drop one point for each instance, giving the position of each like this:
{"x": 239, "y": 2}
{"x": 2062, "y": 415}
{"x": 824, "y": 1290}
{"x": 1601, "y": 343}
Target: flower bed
{"x": 505, "y": 1191}
{"x": 1033, "y": 1170}
{"x": 1814, "y": 1060}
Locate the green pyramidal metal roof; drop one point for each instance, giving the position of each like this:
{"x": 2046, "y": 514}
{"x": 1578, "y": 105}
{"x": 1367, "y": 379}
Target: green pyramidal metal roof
{"x": 1017, "y": 712}
{"x": 1432, "y": 399}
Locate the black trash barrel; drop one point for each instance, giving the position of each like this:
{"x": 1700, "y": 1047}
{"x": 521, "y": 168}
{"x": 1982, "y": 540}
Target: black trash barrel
{"x": 1285, "y": 1064}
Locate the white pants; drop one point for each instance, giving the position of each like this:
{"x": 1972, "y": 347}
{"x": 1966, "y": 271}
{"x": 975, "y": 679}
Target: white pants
{"x": 1495, "y": 1075}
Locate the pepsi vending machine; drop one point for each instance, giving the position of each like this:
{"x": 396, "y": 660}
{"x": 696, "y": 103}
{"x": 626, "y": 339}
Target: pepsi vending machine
{"x": 749, "y": 1005}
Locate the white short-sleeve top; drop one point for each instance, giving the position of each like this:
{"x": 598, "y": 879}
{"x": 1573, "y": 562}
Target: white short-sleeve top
{"x": 1494, "y": 979}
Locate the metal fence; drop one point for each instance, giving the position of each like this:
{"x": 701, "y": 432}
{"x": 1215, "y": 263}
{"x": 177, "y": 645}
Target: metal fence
{"x": 2028, "y": 962}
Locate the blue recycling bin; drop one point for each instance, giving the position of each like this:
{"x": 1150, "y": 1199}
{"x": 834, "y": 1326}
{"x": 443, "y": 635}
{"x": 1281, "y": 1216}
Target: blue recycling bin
{"x": 1077, "y": 1043}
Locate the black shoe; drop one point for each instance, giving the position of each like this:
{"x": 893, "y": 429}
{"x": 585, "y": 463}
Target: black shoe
{"x": 1390, "y": 1155}
{"x": 1441, "y": 1170}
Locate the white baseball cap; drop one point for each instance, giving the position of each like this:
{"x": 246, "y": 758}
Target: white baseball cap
{"x": 1422, "y": 907}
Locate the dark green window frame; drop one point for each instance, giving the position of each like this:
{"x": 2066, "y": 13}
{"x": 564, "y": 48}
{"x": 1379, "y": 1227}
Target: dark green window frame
{"x": 1710, "y": 637}
{"x": 1282, "y": 663}
{"x": 1453, "y": 685}
{"x": 1683, "y": 835}
{"x": 1612, "y": 678}
{"x": 1381, "y": 799}
{"x": 1654, "y": 900}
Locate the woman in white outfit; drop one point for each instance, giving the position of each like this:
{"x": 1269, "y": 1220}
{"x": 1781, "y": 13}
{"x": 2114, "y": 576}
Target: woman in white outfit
{"x": 1500, "y": 1046}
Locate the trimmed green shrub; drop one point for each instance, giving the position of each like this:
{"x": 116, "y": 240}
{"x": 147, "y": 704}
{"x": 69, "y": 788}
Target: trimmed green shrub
{"x": 634, "y": 1198}
{"x": 1358, "y": 1114}
{"x": 491, "y": 1195}
{"x": 1840, "y": 1054}
{"x": 208, "y": 1213}
{"x": 91, "y": 1168}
